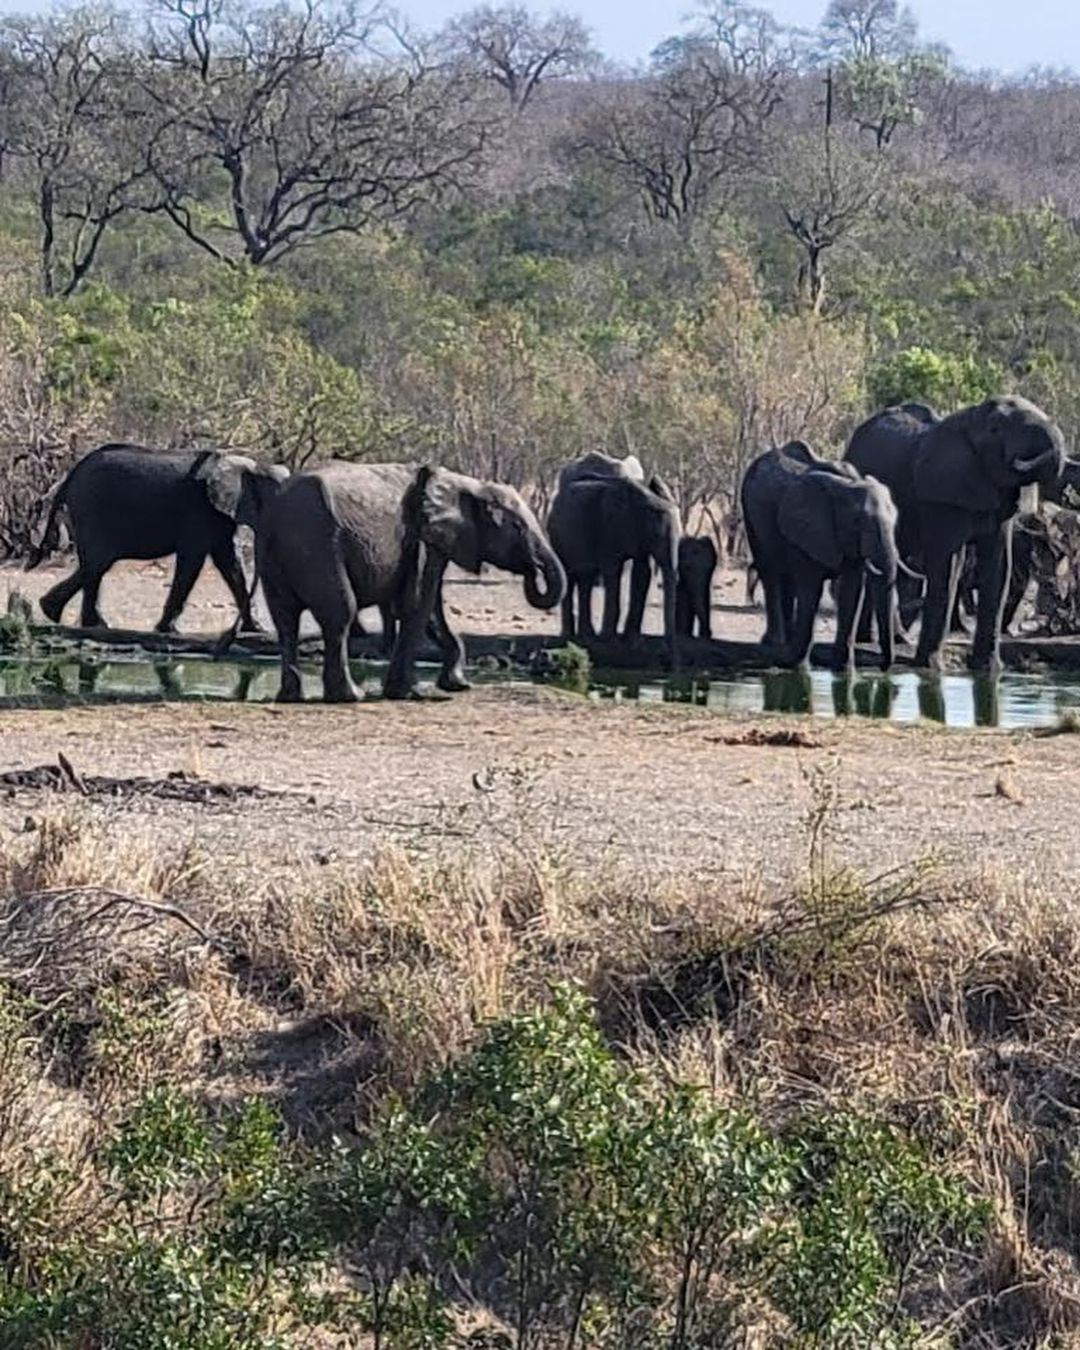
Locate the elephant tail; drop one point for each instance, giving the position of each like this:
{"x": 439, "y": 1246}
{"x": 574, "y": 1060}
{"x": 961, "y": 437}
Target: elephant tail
{"x": 49, "y": 540}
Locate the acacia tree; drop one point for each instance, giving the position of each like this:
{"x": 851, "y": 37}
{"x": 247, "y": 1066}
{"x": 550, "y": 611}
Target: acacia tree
{"x": 518, "y": 50}
{"x": 276, "y": 127}
{"x": 68, "y": 135}
{"x": 702, "y": 116}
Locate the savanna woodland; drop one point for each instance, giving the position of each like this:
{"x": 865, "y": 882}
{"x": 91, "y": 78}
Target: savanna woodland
{"x": 467, "y": 1052}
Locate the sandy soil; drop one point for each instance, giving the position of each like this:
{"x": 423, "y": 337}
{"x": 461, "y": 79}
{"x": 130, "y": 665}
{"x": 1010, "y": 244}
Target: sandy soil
{"x": 655, "y": 789}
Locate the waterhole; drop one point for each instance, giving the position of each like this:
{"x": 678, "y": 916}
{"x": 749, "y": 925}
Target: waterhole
{"x": 959, "y": 700}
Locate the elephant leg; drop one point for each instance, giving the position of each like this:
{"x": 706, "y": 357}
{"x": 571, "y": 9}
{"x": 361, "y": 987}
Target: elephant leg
{"x": 786, "y": 606}
{"x": 91, "y": 590}
{"x": 224, "y": 557}
{"x": 640, "y": 576}
{"x": 667, "y": 566}
{"x": 684, "y": 612}
{"x": 993, "y": 558}
{"x": 1019, "y": 576}
{"x": 942, "y": 575}
{"x": 612, "y": 581}
{"x": 54, "y": 601}
{"x": 400, "y": 681}
{"x": 285, "y": 611}
{"x": 807, "y": 600}
{"x": 389, "y": 630}
{"x": 586, "y": 629}
{"x": 451, "y": 678}
{"x": 849, "y": 602}
{"x": 188, "y": 566}
{"x": 338, "y": 684}
{"x": 775, "y": 633}
{"x": 864, "y": 632}
{"x": 567, "y": 610}
{"x": 704, "y": 611}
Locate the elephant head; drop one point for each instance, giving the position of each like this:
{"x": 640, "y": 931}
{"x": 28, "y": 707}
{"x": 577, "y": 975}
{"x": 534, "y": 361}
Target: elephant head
{"x": 797, "y": 456}
{"x": 839, "y": 522}
{"x": 237, "y": 486}
{"x": 595, "y": 464}
{"x": 980, "y": 457}
{"x": 471, "y": 522}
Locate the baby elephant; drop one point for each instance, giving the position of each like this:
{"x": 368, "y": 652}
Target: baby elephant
{"x": 693, "y": 596}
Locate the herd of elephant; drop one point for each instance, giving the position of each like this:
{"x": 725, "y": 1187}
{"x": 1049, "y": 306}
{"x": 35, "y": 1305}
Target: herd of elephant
{"x": 913, "y": 497}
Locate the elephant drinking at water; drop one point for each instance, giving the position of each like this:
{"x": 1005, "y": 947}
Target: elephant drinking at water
{"x": 352, "y": 535}
{"x": 956, "y": 481}
{"x": 806, "y": 522}
{"x": 599, "y": 521}
{"x": 124, "y": 501}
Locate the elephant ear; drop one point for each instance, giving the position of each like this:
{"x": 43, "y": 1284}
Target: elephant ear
{"x": 447, "y": 516}
{"x": 808, "y": 519}
{"x": 223, "y": 478}
{"x": 953, "y": 458}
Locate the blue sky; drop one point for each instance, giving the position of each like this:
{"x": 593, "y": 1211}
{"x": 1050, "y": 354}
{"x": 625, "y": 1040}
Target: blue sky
{"x": 1002, "y": 34}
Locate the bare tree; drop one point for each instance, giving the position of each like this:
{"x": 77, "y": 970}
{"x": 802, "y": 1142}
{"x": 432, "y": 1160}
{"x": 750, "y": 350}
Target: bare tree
{"x": 304, "y": 122}
{"x": 67, "y": 134}
{"x": 517, "y": 50}
{"x": 827, "y": 188}
{"x": 700, "y": 118}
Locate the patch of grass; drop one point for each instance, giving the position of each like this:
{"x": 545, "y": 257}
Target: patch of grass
{"x": 414, "y": 1096}
{"x": 15, "y": 624}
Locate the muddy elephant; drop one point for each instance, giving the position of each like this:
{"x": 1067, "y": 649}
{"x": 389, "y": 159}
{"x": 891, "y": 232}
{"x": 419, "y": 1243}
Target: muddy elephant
{"x": 957, "y": 481}
{"x": 125, "y": 501}
{"x": 693, "y": 596}
{"x": 806, "y": 525}
{"x": 352, "y": 535}
{"x": 597, "y": 524}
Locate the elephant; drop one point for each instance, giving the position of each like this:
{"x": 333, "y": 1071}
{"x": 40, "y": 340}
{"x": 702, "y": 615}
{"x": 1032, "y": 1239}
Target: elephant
{"x": 693, "y": 595}
{"x": 957, "y": 481}
{"x": 806, "y": 525}
{"x": 596, "y": 464}
{"x": 599, "y": 522}
{"x": 125, "y": 501}
{"x": 347, "y": 536}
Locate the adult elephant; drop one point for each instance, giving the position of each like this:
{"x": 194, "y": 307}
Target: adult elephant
{"x": 125, "y": 501}
{"x": 807, "y": 522}
{"x": 693, "y": 596}
{"x": 352, "y": 535}
{"x": 957, "y": 481}
{"x": 597, "y": 524}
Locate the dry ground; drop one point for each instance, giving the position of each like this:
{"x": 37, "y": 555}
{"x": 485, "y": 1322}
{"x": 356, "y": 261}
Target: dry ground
{"x": 641, "y": 788}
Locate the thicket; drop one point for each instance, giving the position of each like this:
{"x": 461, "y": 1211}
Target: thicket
{"x": 309, "y": 233}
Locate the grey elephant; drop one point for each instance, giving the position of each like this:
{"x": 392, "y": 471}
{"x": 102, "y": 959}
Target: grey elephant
{"x": 957, "y": 481}
{"x": 125, "y": 501}
{"x": 352, "y": 535}
{"x": 598, "y": 523}
{"x": 807, "y": 524}
{"x": 693, "y": 596}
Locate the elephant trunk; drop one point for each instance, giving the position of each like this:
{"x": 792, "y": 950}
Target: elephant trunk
{"x": 545, "y": 580}
{"x": 883, "y": 561}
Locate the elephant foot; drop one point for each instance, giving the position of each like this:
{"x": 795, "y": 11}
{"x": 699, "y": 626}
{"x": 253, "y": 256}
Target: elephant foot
{"x": 341, "y": 693}
{"x": 252, "y": 626}
{"x": 985, "y": 665}
{"x": 401, "y": 693}
{"x": 452, "y": 681}
{"x": 289, "y": 694}
{"x": 930, "y": 661}
{"x": 51, "y": 607}
{"x": 95, "y": 620}
{"x": 167, "y": 626}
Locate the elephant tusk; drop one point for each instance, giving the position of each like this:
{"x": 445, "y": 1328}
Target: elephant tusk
{"x": 873, "y": 569}
{"x": 910, "y": 571}
{"x": 1036, "y": 461}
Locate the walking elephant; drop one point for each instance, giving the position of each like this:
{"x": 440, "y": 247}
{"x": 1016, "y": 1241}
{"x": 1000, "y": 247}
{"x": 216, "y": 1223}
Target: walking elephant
{"x": 125, "y": 501}
{"x": 352, "y": 535}
{"x": 957, "y": 481}
{"x": 693, "y": 596}
{"x": 597, "y": 524}
{"x": 808, "y": 524}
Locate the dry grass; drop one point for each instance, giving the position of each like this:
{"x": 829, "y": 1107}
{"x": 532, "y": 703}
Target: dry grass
{"x": 949, "y": 1004}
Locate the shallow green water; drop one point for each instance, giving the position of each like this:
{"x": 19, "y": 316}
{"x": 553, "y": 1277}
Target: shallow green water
{"x": 956, "y": 700}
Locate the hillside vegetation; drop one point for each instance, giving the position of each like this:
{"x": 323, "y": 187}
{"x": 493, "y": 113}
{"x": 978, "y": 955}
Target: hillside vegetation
{"x": 309, "y": 233}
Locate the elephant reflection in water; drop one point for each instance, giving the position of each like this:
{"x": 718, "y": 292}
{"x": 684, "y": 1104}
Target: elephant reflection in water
{"x": 864, "y": 697}
{"x": 787, "y": 691}
{"x": 985, "y": 693}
